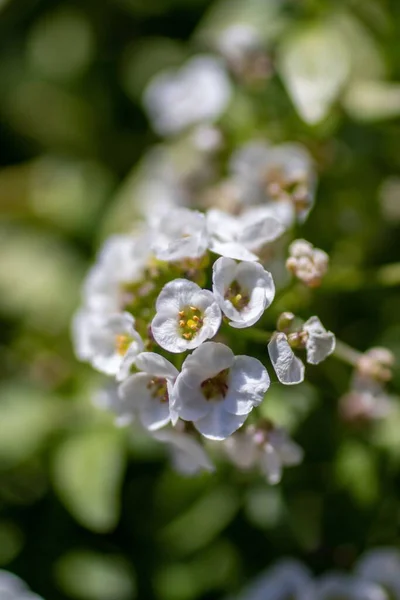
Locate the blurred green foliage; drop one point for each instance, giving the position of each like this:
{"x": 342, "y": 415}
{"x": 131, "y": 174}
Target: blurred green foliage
{"x": 91, "y": 512}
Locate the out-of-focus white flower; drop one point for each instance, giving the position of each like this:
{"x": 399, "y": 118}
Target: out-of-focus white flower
{"x": 186, "y": 316}
{"x": 288, "y": 368}
{"x": 346, "y": 587}
{"x": 243, "y": 290}
{"x": 13, "y": 588}
{"x": 207, "y": 138}
{"x": 122, "y": 260}
{"x": 217, "y": 390}
{"x": 281, "y": 178}
{"x": 286, "y": 580}
{"x": 241, "y": 46}
{"x": 181, "y": 233}
{"x": 317, "y": 341}
{"x": 240, "y": 237}
{"x": 320, "y": 343}
{"x": 265, "y": 446}
{"x": 187, "y": 454}
{"x": 381, "y": 566}
{"x": 109, "y": 342}
{"x": 307, "y": 263}
{"x": 199, "y": 92}
{"x": 148, "y": 392}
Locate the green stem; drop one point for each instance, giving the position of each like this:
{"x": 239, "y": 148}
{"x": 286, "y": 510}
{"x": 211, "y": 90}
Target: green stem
{"x": 347, "y": 354}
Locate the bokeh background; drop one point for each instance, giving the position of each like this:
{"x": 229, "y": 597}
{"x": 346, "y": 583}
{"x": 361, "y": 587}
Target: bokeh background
{"x": 90, "y": 512}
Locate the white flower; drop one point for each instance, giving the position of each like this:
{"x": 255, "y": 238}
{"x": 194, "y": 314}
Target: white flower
{"x": 199, "y": 92}
{"x": 108, "y": 341}
{"x": 148, "y": 392}
{"x": 286, "y": 580}
{"x": 243, "y": 290}
{"x": 279, "y": 177}
{"x": 217, "y": 390}
{"x": 382, "y": 566}
{"x": 288, "y": 368}
{"x": 108, "y": 399}
{"x": 267, "y": 447}
{"x": 348, "y": 587}
{"x": 186, "y": 316}
{"x": 320, "y": 343}
{"x": 122, "y": 260}
{"x": 187, "y": 454}
{"x": 180, "y": 234}
{"x": 240, "y": 237}
{"x": 307, "y": 263}
{"x": 13, "y": 588}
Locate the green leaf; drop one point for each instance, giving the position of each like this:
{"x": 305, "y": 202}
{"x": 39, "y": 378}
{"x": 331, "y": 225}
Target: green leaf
{"x": 87, "y": 473}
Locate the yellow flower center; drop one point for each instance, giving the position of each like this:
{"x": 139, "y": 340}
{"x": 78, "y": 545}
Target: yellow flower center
{"x": 158, "y": 389}
{"x": 122, "y": 343}
{"x": 190, "y": 322}
{"x": 237, "y": 296}
{"x": 216, "y": 387}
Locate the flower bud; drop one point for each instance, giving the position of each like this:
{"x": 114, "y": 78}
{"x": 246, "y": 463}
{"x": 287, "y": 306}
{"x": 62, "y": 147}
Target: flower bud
{"x": 285, "y": 321}
{"x": 307, "y": 263}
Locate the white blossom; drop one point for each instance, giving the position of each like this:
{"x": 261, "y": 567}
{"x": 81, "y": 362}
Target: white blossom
{"x": 288, "y": 368}
{"x": 199, "y": 92}
{"x": 267, "y": 447}
{"x": 243, "y": 290}
{"x": 148, "y": 392}
{"x": 181, "y": 233}
{"x": 13, "y": 588}
{"x": 281, "y": 178}
{"x": 186, "y": 316}
{"x": 320, "y": 343}
{"x": 240, "y": 237}
{"x": 217, "y": 390}
{"x": 307, "y": 263}
{"x": 187, "y": 453}
{"x": 122, "y": 260}
{"x": 109, "y": 342}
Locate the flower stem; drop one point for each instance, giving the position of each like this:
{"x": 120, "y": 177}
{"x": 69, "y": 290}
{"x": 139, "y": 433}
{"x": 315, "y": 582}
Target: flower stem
{"x": 347, "y": 354}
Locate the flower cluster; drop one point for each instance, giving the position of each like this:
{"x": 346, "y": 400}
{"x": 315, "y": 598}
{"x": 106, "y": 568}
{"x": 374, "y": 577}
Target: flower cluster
{"x": 376, "y": 576}
{"x": 166, "y": 305}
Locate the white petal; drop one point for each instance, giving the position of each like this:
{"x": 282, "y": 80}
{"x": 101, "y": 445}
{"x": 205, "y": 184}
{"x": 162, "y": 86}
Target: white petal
{"x": 190, "y": 456}
{"x": 288, "y": 368}
{"x": 248, "y": 381}
{"x": 320, "y": 343}
{"x": 134, "y": 391}
{"x": 257, "y": 233}
{"x": 155, "y": 415}
{"x": 175, "y": 295}
{"x": 209, "y": 359}
{"x": 187, "y": 401}
{"x": 165, "y": 332}
{"x": 129, "y": 358}
{"x": 233, "y": 250}
{"x": 271, "y": 465}
{"x": 219, "y": 424}
{"x": 155, "y": 364}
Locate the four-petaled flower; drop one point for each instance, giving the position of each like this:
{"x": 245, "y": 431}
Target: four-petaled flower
{"x": 148, "y": 392}
{"x": 109, "y": 342}
{"x": 217, "y": 390}
{"x": 186, "y": 316}
{"x": 243, "y": 290}
{"x": 181, "y": 233}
